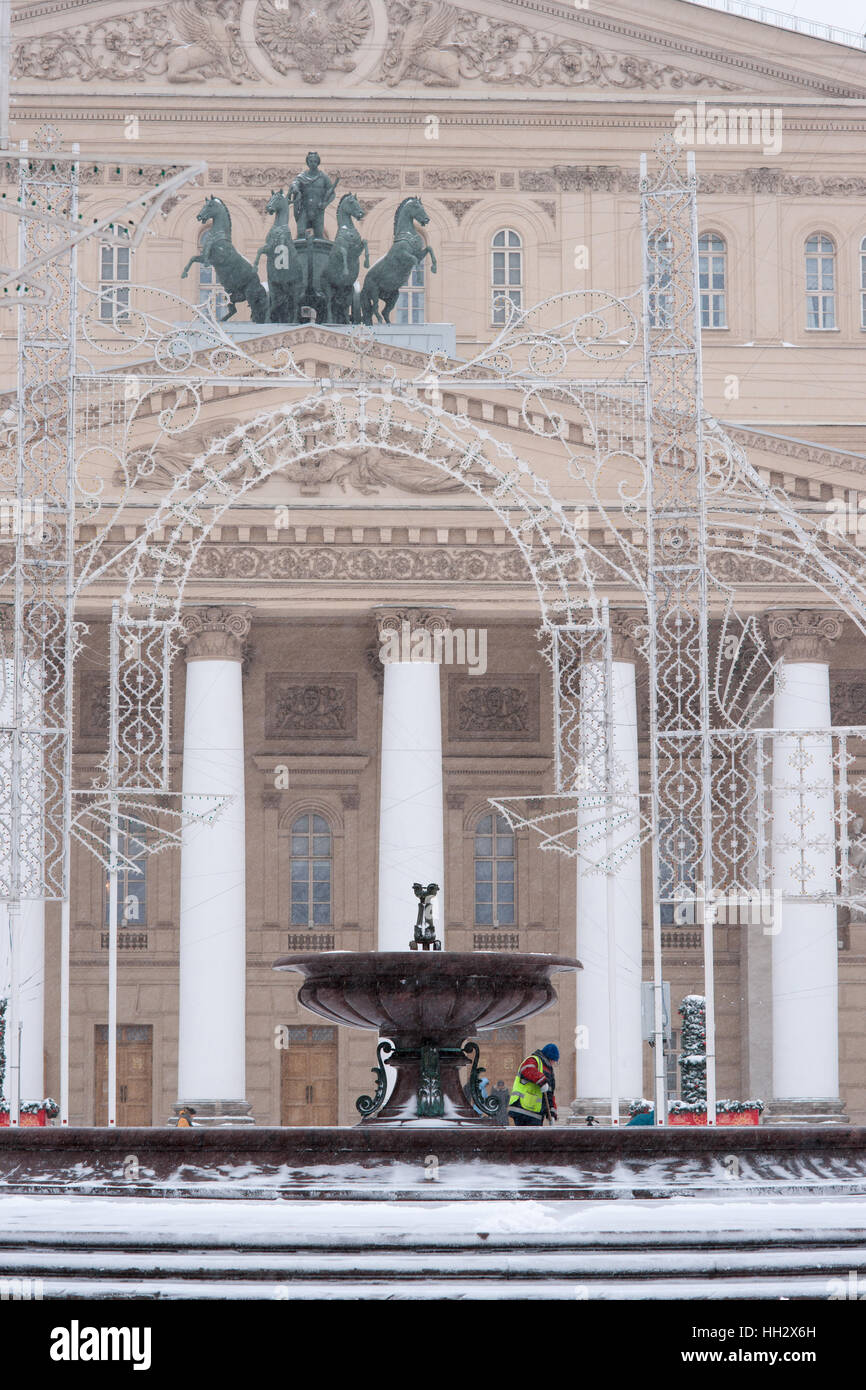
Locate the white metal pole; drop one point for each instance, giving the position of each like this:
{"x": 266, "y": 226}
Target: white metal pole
{"x": 5, "y": 58}
{"x": 613, "y": 1021}
{"x": 13, "y": 1015}
{"x": 114, "y": 665}
{"x": 64, "y": 1010}
{"x": 112, "y": 964}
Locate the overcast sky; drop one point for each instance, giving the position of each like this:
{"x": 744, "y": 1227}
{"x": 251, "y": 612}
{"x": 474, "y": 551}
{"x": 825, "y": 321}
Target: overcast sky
{"x": 848, "y": 14}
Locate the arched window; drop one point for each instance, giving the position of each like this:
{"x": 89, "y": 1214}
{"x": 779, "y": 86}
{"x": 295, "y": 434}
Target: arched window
{"x": 820, "y": 282}
{"x": 506, "y": 272}
{"x": 410, "y": 305}
{"x": 659, "y": 281}
{"x": 863, "y": 283}
{"x": 495, "y": 873}
{"x": 114, "y": 265}
{"x": 131, "y": 875}
{"x": 713, "y": 277}
{"x": 311, "y": 872}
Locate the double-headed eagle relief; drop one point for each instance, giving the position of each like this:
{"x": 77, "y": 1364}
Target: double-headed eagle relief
{"x": 311, "y": 278}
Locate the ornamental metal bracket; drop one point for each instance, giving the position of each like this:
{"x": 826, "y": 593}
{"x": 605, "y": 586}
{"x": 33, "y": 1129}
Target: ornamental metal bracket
{"x": 368, "y": 1105}
{"x": 490, "y": 1107}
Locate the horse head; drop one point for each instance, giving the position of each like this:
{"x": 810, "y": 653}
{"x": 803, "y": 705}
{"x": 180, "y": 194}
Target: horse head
{"x": 213, "y": 206}
{"x": 410, "y": 210}
{"x": 349, "y": 204}
{"x": 277, "y": 201}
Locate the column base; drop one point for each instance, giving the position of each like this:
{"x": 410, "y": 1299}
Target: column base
{"x": 805, "y": 1112}
{"x": 215, "y": 1114}
{"x": 598, "y": 1107}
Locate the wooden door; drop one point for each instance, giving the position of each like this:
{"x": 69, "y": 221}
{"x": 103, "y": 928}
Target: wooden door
{"x": 308, "y": 1077}
{"x": 501, "y": 1052}
{"x": 134, "y": 1074}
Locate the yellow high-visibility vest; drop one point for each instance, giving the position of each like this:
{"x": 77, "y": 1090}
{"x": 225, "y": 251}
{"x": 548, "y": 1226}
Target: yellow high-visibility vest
{"x": 528, "y": 1093}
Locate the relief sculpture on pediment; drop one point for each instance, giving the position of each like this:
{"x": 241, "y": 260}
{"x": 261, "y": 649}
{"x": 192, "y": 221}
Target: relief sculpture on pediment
{"x": 440, "y": 45}
{"x": 312, "y": 37}
{"x": 185, "y": 42}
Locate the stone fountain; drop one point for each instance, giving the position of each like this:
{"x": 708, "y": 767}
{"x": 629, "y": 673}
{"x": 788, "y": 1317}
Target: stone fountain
{"x": 427, "y": 1005}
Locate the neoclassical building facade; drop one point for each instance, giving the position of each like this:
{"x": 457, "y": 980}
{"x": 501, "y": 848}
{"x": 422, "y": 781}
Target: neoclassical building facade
{"x": 520, "y": 124}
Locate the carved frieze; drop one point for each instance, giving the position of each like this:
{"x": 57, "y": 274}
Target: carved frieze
{"x": 848, "y": 697}
{"x": 497, "y": 707}
{"x": 311, "y": 706}
{"x": 459, "y": 178}
{"x": 185, "y": 42}
{"x": 441, "y": 45}
{"x": 312, "y": 37}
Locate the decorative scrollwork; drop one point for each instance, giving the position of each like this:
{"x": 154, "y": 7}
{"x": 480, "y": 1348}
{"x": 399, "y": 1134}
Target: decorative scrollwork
{"x": 491, "y": 1107}
{"x": 368, "y": 1105}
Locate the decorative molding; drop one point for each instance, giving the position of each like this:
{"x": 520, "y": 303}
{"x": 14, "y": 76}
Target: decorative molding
{"x": 351, "y": 563}
{"x": 302, "y": 706}
{"x": 504, "y": 708}
{"x": 847, "y": 697}
{"x": 442, "y": 45}
{"x": 548, "y": 206}
{"x": 459, "y": 178}
{"x": 458, "y": 207}
{"x": 625, "y": 627}
{"x": 274, "y": 175}
{"x": 391, "y": 620}
{"x": 803, "y": 635}
{"x": 186, "y": 42}
{"x": 215, "y": 634}
{"x": 312, "y": 38}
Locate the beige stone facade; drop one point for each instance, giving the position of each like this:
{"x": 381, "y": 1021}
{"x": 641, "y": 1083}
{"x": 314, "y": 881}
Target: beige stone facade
{"x": 505, "y": 116}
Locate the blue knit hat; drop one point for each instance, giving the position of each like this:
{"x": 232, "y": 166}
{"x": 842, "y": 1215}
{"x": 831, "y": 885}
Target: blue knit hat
{"x": 551, "y": 1052}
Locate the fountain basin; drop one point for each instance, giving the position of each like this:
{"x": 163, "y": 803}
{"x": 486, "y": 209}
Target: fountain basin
{"x": 427, "y": 1004}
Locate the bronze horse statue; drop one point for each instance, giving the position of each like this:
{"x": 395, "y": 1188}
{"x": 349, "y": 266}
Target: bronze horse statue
{"x": 285, "y": 267}
{"x": 386, "y": 278}
{"x": 233, "y": 271}
{"x": 344, "y": 262}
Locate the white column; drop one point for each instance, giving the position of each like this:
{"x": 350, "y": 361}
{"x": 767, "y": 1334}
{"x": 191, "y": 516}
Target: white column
{"x": 805, "y": 949}
{"x": 212, "y": 1024}
{"x": 609, "y": 908}
{"x": 411, "y": 810}
{"x": 26, "y": 1013}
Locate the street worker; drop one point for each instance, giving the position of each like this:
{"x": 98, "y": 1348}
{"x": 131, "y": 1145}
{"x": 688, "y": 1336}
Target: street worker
{"x": 184, "y": 1119}
{"x": 532, "y": 1095}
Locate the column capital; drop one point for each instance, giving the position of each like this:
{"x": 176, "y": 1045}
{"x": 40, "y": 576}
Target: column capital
{"x": 419, "y": 619}
{"x": 803, "y": 634}
{"x": 215, "y": 634}
{"x": 625, "y": 626}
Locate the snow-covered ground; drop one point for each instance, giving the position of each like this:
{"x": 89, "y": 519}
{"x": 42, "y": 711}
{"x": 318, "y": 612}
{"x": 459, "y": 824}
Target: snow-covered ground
{"x": 86, "y": 1247}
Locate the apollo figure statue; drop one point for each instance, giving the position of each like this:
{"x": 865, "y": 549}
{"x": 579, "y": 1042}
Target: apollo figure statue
{"x": 311, "y": 192}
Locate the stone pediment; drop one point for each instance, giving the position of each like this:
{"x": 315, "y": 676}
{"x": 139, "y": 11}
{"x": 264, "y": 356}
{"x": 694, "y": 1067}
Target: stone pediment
{"x": 306, "y": 48}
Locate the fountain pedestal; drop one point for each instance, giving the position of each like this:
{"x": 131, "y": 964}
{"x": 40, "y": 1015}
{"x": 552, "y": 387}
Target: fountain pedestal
{"x": 427, "y": 1005}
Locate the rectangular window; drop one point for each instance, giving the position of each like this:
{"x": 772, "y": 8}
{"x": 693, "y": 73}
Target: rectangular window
{"x": 410, "y": 304}
{"x": 114, "y": 268}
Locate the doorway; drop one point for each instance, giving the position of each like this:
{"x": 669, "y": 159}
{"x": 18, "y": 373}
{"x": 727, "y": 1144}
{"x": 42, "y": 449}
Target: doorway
{"x": 308, "y": 1077}
{"x": 134, "y": 1074}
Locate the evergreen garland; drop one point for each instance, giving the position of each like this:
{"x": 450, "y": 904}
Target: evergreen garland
{"x": 693, "y": 1056}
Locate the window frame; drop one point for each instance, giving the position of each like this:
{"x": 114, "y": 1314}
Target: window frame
{"x": 823, "y": 295}
{"x": 709, "y": 295}
{"x": 499, "y": 829}
{"x": 312, "y": 859}
{"x": 515, "y": 290}
{"x": 114, "y": 287}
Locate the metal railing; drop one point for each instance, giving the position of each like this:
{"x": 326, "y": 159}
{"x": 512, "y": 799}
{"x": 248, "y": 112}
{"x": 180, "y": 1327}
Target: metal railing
{"x": 815, "y": 28}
